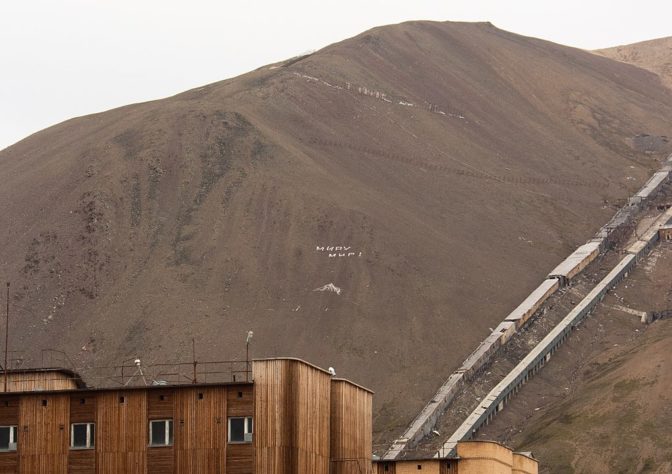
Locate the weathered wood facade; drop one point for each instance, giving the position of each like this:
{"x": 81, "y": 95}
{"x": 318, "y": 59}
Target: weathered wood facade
{"x": 473, "y": 457}
{"x": 308, "y": 421}
{"x": 33, "y": 380}
{"x": 294, "y": 418}
{"x": 351, "y": 427}
{"x": 292, "y": 412}
{"x": 426, "y": 466}
{"x": 198, "y": 414}
{"x": 665, "y": 233}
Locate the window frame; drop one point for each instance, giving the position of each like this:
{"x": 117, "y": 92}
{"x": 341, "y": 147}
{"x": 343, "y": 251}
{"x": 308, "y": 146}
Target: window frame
{"x": 90, "y": 437}
{"x": 248, "y": 429}
{"x": 13, "y": 439}
{"x": 168, "y": 433}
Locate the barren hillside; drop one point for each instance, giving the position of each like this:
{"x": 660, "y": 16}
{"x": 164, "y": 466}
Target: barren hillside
{"x": 602, "y": 404}
{"x": 654, "y": 55}
{"x": 449, "y": 165}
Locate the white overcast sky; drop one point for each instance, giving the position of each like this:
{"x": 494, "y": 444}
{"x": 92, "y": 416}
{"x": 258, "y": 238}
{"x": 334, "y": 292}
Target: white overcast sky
{"x": 64, "y": 58}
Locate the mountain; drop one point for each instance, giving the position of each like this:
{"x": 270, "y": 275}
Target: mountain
{"x": 654, "y": 55}
{"x": 423, "y": 176}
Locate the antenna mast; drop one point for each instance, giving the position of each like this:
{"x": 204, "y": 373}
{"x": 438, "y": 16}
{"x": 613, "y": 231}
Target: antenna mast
{"x": 247, "y": 355}
{"x": 6, "y": 335}
{"x": 193, "y": 351}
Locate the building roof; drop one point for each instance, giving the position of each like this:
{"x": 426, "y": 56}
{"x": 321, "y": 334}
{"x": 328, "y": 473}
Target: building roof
{"x": 578, "y": 256}
{"x": 296, "y": 359}
{"x": 83, "y": 388}
{"x": 337, "y": 379}
{"x": 652, "y": 184}
{"x": 527, "y": 454}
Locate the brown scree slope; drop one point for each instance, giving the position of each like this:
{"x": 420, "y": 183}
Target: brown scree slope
{"x": 131, "y": 231}
{"x": 603, "y": 403}
{"x": 654, "y": 55}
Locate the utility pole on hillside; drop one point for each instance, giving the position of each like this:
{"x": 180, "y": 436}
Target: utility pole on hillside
{"x": 247, "y": 355}
{"x": 6, "y": 336}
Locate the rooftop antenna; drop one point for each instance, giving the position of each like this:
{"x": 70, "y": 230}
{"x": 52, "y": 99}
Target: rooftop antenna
{"x": 193, "y": 350}
{"x": 138, "y": 364}
{"x": 247, "y": 355}
{"x": 6, "y": 335}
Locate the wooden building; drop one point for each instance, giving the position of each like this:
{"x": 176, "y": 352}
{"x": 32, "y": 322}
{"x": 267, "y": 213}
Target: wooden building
{"x": 351, "y": 428}
{"x": 416, "y": 466}
{"x": 665, "y": 233}
{"x": 472, "y": 457}
{"x": 33, "y": 380}
{"x": 293, "y": 418}
{"x": 308, "y": 421}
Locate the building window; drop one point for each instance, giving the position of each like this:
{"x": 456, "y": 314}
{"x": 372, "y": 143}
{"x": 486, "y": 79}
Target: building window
{"x": 240, "y": 429}
{"x": 82, "y": 436}
{"x": 8, "y": 437}
{"x": 161, "y": 433}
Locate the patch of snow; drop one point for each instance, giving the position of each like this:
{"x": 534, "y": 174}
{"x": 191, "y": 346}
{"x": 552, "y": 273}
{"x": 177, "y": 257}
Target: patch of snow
{"x": 329, "y": 287}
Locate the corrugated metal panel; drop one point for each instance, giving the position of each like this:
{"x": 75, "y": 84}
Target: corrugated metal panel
{"x": 577, "y": 261}
{"x": 481, "y": 355}
{"x": 533, "y": 302}
{"x": 505, "y": 331}
{"x": 653, "y": 184}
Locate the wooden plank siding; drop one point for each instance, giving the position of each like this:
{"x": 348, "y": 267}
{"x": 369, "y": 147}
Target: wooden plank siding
{"x": 294, "y": 406}
{"x": 40, "y": 380}
{"x": 200, "y": 430}
{"x": 160, "y": 406}
{"x": 240, "y": 456}
{"x": 292, "y": 412}
{"x": 160, "y": 460}
{"x": 82, "y": 461}
{"x": 121, "y": 432}
{"x": 82, "y": 410}
{"x": 9, "y": 463}
{"x": 9, "y": 410}
{"x": 388, "y": 467}
{"x": 449, "y": 467}
{"x": 9, "y": 416}
{"x": 43, "y": 433}
{"x": 351, "y": 428}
